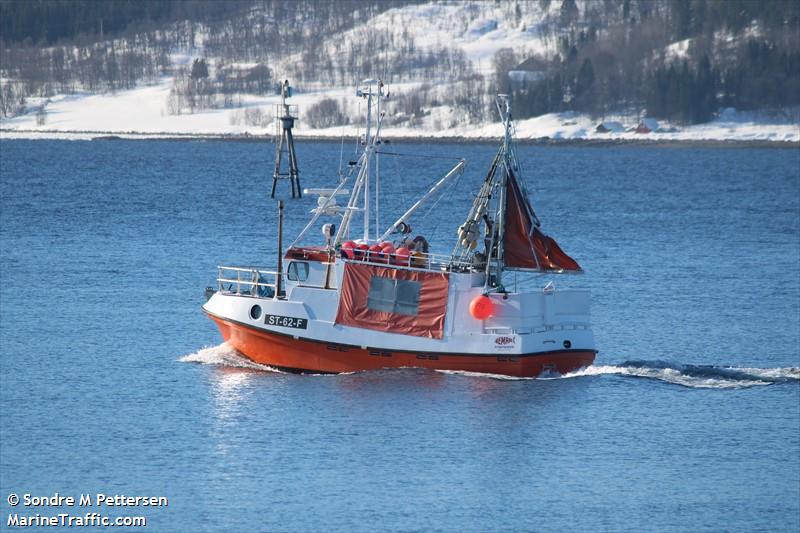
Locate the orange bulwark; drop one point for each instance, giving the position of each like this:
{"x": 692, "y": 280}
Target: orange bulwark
{"x": 286, "y": 352}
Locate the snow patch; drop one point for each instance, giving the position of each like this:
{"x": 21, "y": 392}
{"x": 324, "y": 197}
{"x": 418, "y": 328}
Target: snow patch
{"x": 142, "y": 111}
{"x": 678, "y": 50}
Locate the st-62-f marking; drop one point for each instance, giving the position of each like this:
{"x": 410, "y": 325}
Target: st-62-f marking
{"x": 286, "y": 321}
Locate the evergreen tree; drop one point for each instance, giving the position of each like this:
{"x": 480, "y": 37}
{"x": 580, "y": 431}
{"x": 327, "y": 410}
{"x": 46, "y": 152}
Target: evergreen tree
{"x": 704, "y": 98}
{"x": 568, "y": 13}
{"x": 199, "y": 69}
{"x": 682, "y": 18}
{"x": 584, "y": 87}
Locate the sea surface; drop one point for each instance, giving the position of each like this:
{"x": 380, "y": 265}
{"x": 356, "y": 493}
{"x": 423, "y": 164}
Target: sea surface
{"x": 112, "y": 381}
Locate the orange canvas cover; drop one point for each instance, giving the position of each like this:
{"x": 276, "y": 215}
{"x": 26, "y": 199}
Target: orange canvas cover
{"x": 431, "y": 310}
{"x": 524, "y": 245}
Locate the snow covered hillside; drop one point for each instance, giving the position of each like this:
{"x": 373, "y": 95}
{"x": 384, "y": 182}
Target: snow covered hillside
{"x": 442, "y": 61}
{"x": 142, "y": 111}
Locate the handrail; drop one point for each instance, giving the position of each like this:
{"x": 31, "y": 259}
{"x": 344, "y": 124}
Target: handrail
{"x": 256, "y": 281}
{"x": 419, "y": 261}
{"x": 248, "y": 269}
{"x": 253, "y": 283}
{"x": 244, "y": 282}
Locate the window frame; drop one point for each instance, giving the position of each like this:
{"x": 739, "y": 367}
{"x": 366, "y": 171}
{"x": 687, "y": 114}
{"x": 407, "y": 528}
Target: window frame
{"x": 396, "y": 296}
{"x": 292, "y": 273}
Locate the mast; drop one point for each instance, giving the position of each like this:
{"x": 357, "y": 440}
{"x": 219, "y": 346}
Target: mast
{"x": 368, "y": 154}
{"x": 372, "y": 91}
{"x": 378, "y": 164}
{"x": 503, "y": 103}
{"x": 489, "y": 208}
{"x": 279, "y": 273}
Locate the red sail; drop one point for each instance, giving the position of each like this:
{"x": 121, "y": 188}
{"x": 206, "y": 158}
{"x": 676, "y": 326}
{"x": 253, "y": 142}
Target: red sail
{"x": 524, "y": 245}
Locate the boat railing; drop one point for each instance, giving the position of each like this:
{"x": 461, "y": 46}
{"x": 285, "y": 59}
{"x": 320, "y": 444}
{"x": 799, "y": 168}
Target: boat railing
{"x": 416, "y": 261}
{"x": 246, "y": 281}
{"x": 261, "y": 282}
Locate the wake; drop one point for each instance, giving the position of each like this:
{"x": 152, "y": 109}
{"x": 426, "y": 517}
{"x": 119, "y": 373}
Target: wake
{"x": 692, "y": 376}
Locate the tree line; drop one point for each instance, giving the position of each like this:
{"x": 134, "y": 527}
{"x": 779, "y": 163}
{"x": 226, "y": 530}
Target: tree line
{"x": 679, "y": 60}
{"x": 62, "y": 46}
{"x": 48, "y": 22}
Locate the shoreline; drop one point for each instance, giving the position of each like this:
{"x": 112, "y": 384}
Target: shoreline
{"x": 538, "y": 141}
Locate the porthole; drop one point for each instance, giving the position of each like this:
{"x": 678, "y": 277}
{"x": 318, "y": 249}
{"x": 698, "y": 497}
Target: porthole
{"x": 255, "y": 312}
{"x": 567, "y": 344}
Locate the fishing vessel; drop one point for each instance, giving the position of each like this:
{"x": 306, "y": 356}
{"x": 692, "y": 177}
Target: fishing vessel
{"x": 385, "y": 300}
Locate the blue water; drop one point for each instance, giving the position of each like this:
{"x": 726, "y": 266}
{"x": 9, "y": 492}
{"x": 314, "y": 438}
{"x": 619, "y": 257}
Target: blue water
{"x": 112, "y": 380}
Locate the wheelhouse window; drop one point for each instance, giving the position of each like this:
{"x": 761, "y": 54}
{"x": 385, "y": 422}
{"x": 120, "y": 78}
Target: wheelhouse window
{"x": 393, "y": 296}
{"x": 297, "y": 271}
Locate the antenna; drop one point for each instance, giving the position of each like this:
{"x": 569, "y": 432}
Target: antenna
{"x": 373, "y": 91}
{"x": 285, "y": 115}
{"x": 341, "y": 155}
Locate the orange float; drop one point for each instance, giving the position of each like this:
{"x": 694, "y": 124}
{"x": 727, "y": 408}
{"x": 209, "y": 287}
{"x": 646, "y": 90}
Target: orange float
{"x": 360, "y": 251}
{"x": 481, "y": 307}
{"x": 401, "y": 256}
{"x": 347, "y": 248}
{"x": 387, "y": 252}
{"x": 374, "y": 253}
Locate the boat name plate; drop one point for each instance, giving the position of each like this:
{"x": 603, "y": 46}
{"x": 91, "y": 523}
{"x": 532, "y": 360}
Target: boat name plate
{"x": 286, "y": 321}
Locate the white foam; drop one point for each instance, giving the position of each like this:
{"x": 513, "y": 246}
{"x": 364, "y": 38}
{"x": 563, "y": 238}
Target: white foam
{"x": 484, "y": 375}
{"x": 776, "y": 374}
{"x": 695, "y": 376}
{"x": 699, "y": 377}
{"x": 692, "y": 376}
{"x": 669, "y": 375}
{"x": 224, "y": 355}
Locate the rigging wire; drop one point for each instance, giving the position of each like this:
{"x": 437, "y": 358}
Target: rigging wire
{"x": 403, "y": 196}
{"x": 447, "y": 157}
{"x": 358, "y": 129}
{"x": 341, "y": 156}
{"x": 442, "y": 194}
{"x": 402, "y": 184}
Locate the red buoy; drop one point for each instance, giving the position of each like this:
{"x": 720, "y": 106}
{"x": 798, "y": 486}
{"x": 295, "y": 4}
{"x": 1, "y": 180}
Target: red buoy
{"x": 360, "y": 251}
{"x": 387, "y": 251}
{"x": 374, "y": 253}
{"x": 481, "y": 307}
{"x": 401, "y": 255}
{"x": 347, "y": 249}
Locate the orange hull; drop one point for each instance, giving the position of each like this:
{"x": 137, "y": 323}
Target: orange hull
{"x": 290, "y": 353}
